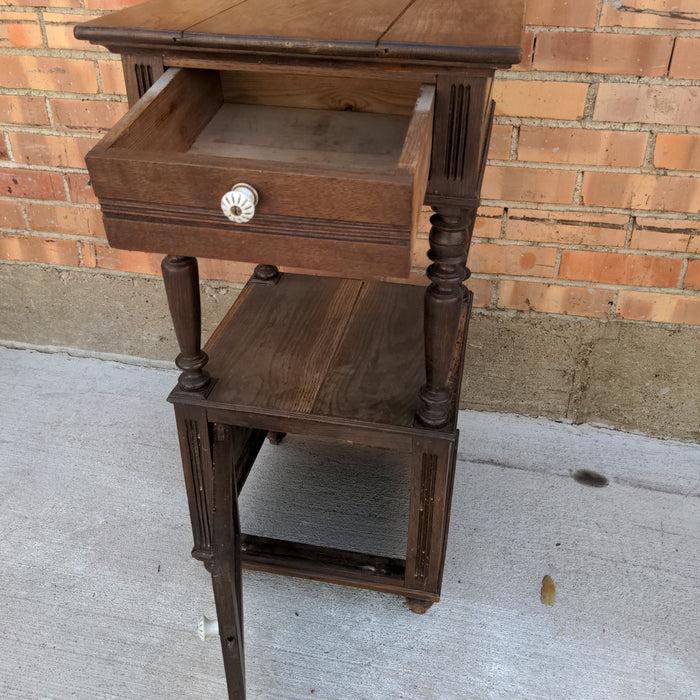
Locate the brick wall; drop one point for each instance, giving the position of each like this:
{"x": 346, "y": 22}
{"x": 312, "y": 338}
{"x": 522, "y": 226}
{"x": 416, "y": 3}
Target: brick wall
{"x": 591, "y": 197}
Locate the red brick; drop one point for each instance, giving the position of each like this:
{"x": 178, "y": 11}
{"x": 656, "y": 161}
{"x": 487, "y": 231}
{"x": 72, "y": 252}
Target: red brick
{"x": 686, "y": 59}
{"x": 87, "y": 254}
{"x": 44, "y": 149}
{"x": 14, "y": 16}
{"x": 554, "y": 299}
{"x": 619, "y": 268}
{"x": 666, "y": 234}
{"x": 528, "y": 48}
{"x": 622, "y": 190}
{"x": 491, "y": 258}
{"x": 482, "y": 290}
{"x": 110, "y": 4}
{"x": 42, "y": 3}
{"x": 227, "y": 270}
{"x": 488, "y": 223}
{"x": 653, "y": 14}
{"x": 87, "y": 114}
{"x": 77, "y": 221}
{"x": 649, "y": 104}
{"x": 80, "y": 189}
{"x": 677, "y": 151}
{"x": 692, "y": 275}
{"x": 419, "y": 254}
{"x": 543, "y": 99}
{"x": 528, "y": 184}
{"x": 566, "y": 227}
{"x": 59, "y": 31}
{"x": 101, "y": 255}
{"x": 44, "y": 73}
{"x": 112, "y": 77}
{"x": 584, "y": 146}
{"x": 424, "y": 221}
{"x": 40, "y": 250}
{"x": 36, "y": 184}
{"x": 603, "y": 53}
{"x": 661, "y": 308}
{"x": 20, "y": 35}
{"x": 11, "y": 215}
{"x": 4, "y": 153}
{"x": 563, "y": 13}
{"x": 499, "y": 146}
{"x": 21, "y": 109}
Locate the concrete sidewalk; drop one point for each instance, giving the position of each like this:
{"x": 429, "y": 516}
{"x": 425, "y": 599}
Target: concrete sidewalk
{"x": 100, "y": 598}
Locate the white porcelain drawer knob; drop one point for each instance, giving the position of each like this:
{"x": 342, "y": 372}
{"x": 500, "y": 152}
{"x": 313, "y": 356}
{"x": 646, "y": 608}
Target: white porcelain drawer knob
{"x": 207, "y": 627}
{"x": 239, "y": 203}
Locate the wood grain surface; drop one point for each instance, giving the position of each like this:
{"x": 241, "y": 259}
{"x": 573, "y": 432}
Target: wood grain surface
{"x": 284, "y": 335}
{"x": 422, "y": 30}
{"x": 384, "y": 95}
{"x": 458, "y": 23}
{"x": 337, "y": 20}
{"x": 330, "y": 138}
{"x": 376, "y": 372}
{"x": 167, "y": 16}
{"x": 366, "y": 369}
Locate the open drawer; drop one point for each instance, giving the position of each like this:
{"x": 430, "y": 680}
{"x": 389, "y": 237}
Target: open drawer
{"x": 331, "y": 188}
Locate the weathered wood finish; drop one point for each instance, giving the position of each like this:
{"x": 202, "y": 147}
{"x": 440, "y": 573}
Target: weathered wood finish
{"x": 417, "y": 30}
{"x": 432, "y": 478}
{"x": 462, "y": 126}
{"x": 443, "y": 302}
{"x": 463, "y": 116}
{"x": 383, "y": 95}
{"x": 338, "y": 249}
{"x": 194, "y": 433}
{"x": 225, "y": 567}
{"x": 370, "y": 362}
{"x": 344, "y": 359}
{"x": 140, "y": 73}
{"x": 160, "y": 174}
{"x": 269, "y": 274}
{"x": 181, "y": 279}
{"x": 196, "y": 449}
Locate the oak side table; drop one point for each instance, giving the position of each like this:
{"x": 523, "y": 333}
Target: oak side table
{"x": 308, "y": 134}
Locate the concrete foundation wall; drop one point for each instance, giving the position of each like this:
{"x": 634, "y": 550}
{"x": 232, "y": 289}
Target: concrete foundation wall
{"x": 627, "y": 375}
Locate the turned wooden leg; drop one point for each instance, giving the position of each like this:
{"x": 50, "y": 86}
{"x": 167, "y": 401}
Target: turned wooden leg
{"x": 181, "y": 280}
{"x": 432, "y": 477}
{"x": 225, "y": 566}
{"x": 443, "y": 301}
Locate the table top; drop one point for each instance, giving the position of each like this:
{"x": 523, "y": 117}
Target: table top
{"x": 461, "y": 31}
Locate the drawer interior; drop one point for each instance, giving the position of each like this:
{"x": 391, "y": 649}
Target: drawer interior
{"x": 335, "y": 123}
{"x": 309, "y": 136}
{"x": 340, "y": 166}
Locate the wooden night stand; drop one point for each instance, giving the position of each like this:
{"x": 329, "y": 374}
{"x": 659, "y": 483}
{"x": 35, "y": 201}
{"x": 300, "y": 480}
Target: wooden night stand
{"x": 308, "y": 134}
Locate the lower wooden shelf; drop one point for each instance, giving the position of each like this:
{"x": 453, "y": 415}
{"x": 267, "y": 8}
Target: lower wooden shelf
{"x": 325, "y": 356}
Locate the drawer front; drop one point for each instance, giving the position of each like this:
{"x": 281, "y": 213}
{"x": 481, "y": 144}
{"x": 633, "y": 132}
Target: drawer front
{"x": 352, "y": 182}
